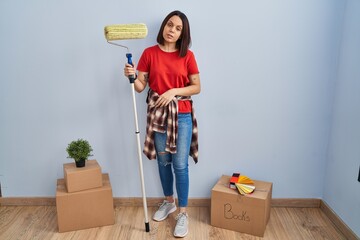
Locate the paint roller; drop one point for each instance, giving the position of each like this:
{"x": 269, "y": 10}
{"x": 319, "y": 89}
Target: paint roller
{"x": 124, "y": 32}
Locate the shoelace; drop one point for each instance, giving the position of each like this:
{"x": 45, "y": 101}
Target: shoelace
{"x": 162, "y": 205}
{"x": 181, "y": 217}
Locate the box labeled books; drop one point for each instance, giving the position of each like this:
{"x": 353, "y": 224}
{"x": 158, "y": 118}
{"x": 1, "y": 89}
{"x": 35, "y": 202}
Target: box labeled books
{"x": 247, "y": 213}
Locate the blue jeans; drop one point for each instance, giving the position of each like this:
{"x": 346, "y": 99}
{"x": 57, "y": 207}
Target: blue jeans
{"x": 177, "y": 161}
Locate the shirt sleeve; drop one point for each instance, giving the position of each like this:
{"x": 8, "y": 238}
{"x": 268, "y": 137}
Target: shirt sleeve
{"x": 144, "y": 63}
{"x": 192, "y": 64}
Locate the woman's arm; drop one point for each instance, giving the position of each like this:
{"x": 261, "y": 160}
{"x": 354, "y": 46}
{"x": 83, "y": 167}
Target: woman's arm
{"x": 192, "y": 89}
{"x": 141, "y": 80}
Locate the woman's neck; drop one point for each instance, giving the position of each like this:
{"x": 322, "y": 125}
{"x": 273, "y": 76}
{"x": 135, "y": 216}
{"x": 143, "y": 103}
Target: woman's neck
{"x": 168, "y": 47}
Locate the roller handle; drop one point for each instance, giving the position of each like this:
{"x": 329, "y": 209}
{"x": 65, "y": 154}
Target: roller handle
{"x": 131, "y": 77}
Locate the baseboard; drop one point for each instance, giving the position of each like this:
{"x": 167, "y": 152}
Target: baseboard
{"x": 195, "y": 202}
{"x": 118, "y": 202}
{"x": 348, "y": 233}
{"x": 27, "y": 201}
{"x": 152, "y": 202}
{"x": 296, "y": 202}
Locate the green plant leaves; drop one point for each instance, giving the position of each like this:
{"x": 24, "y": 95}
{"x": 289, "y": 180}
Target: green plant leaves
{"x": 79, "y": 149}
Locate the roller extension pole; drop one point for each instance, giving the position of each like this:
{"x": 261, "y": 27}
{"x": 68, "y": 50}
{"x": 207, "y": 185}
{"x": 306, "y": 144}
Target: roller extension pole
{"x": 122, "y": 32}
{"x": 137, "y": 132}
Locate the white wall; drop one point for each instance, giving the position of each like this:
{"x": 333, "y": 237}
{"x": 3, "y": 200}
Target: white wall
{"x": 342, "y": 190}
{"x": 268, "y": 70}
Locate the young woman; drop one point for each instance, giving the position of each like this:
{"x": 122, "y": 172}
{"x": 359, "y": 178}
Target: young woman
{"x": 171, "y": 71}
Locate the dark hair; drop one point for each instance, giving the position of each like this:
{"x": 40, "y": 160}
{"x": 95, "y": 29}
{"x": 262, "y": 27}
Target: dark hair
{"x": 184, "y": 41}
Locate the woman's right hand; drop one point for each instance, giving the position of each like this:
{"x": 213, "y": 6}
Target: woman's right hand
{"x": 141, "y": 80}
{"x": 129, "y": 70}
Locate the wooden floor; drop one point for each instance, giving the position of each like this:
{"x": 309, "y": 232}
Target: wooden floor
{"x": 40, "y": 222}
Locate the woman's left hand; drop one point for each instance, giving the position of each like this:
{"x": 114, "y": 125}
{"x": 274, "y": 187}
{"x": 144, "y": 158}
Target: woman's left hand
{"x": 165, "y": 98}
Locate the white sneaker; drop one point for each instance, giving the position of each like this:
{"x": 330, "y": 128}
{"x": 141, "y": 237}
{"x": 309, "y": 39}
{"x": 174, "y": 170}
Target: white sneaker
{"x": 181, "y": 228}
{"x": 164, "y": 210}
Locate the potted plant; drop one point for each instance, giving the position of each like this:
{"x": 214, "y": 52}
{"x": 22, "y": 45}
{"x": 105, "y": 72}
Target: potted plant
{"x": 79, "y": 150}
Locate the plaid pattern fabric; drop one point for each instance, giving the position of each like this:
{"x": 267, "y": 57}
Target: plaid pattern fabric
{"x": 159, "y": 118}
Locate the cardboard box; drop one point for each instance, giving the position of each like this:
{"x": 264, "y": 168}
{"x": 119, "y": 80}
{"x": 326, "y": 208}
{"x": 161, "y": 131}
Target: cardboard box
{"x": 242, "y": 213}
{"x": 85, "y": 209}
{"x": 79, "y": 179}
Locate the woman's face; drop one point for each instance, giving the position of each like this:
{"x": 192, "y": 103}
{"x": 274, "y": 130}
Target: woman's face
{"x": 173, "y": 29}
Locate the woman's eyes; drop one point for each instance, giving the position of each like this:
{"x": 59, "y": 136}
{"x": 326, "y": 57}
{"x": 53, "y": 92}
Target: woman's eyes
{"x": 172, "y": 25}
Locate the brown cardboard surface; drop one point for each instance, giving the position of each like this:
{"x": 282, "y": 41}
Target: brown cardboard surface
{"x": 243, "y": 213}
{"x": 79, "y": 179}
{"x": 84, "y": 209}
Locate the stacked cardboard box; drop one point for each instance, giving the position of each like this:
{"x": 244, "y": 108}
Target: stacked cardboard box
{"x": 84, "y": 198}
{"x": 248, "y": 213}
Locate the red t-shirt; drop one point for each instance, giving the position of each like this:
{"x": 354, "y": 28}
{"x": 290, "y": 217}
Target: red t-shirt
{"x": 168, "y": 70}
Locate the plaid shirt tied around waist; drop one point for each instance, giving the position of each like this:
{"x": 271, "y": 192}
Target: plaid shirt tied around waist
{"x": 167, "y": 117}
